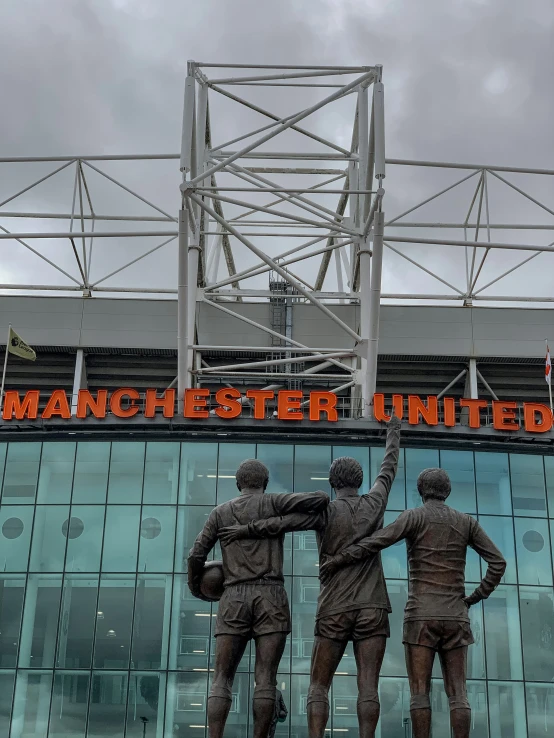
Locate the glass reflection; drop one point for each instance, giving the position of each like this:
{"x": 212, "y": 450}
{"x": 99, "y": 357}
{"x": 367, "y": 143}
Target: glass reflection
{"x": 90, "y": 482}
{"x": 305, "y": 591}
{"x": 77, "y": 620}
{"x": 311, "y": 468}
{"x": 503, "y": 634}
{"x": 507, "y": 710}
{"x": 493, "y": 483}
{"x": 12, "y": 589}
{"x": 161, "y": 472}
{"x": 540, "y": 709}
{"x": 49, "y": 538}
{"x": 126, "y": 472}
{"x": 56, "y": 472}
{"x": 70, "y": 696}
{"x": 152, "y": 609}
{"x": 230, "y": 457}
{"x": 108, "y": 703}
{"x": 113, "y": 629}
{"x": 536, "y": 606}
{"x": 31, "y": 704}
{"x": 460, "y": 469}
{"x": 279, "y": 460}
{"x": 121, "y": 538}
{"x": 191, "y": 623}
{"x": 198, "y": 476}
{"x": 157, "y": 538}
{"x": 549, "y": 472}
{"x": 7, "y": 681}
{"x": 21, "y": 473}
{"x": 528, "y": 492}
{"x": 190, "y": 521}
{"x": 534, "y": 563}
{"x": 16, "y": 523}
{"x": 185, "y": 710}
{"x": 40, "y": 621}
{"x": 417, "y": 459}
{"x": 146, "y": 700}
{"x": 84, "y": 538}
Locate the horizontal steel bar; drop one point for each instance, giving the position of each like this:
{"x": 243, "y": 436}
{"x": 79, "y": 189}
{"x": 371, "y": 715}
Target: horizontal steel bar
{"x": 94, "y": 157}
{"x": 470, "y": 244}
{"x": 280, "y": 84}
{"x": 457, "y": 165}
{"x": 92, "y": 234}
{"x": 322, "y": 67}
{"x": 318, "y": 72}
{"x": 276, "y": 375}
{"x": 215, "y": 154}
{"x": 291, "y": 190}
{"x": 498, "y": 226}
{"x": 267, "y": 349}
{"x": 86, "y": 216}
{"x": 149, "y": 157}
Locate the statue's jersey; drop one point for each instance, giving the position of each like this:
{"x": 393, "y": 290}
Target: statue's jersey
{"x": 437, "y": 539}
{"x": 346, "y": 521}
{"x": 250, "y": 560}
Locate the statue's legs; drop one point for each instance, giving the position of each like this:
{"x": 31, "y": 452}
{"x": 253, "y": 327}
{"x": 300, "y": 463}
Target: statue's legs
{"x": 269, "y": 650}
{"x": 369, "y": 654}
{"x": 454, "y": 668}
{"x": 419, "y": 662}
{"x": 229, "y": 650}
{"x": 326, "y": 656}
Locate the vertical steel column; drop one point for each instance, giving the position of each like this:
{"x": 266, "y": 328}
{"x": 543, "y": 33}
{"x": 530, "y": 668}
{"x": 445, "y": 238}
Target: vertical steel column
{"x": 187, "y": 166}
{"x": 183, "y": 375}
{"x": 472, "y": 379}
{"x": 365, "y": 312}
{"x": 374, "y": 313}
{"x": 79, "y": 379}
{"x": 370, "y": 379}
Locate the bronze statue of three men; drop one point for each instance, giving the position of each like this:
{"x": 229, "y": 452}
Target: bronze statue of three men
{"x": 353, "y": 604}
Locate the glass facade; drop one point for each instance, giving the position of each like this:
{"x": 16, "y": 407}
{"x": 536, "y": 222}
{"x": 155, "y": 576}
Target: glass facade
{"x": 99, "y": 633}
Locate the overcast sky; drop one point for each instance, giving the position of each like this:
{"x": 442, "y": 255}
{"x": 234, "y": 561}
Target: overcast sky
{"x": 466, "y": 80}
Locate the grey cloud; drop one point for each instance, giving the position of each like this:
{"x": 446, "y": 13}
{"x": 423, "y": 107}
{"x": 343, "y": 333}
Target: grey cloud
{"x": 466, "y": 81}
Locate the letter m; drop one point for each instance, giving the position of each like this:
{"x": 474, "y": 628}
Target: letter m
{"x": 26, "y": 408}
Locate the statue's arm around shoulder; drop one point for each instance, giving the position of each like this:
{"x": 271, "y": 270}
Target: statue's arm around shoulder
{"x": 366, "y": 547}
{"x": 272, "y": 527}
{"x": 198, "y": 554}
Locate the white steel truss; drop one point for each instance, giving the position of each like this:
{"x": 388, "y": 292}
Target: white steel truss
{"x": 278, "y": 178}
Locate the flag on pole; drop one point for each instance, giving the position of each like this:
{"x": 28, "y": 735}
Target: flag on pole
{"x": 548, "y": 367}
{"x": 18, "y": 347}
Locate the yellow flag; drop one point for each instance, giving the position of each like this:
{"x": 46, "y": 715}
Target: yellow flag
{"x": 18, "y": 347}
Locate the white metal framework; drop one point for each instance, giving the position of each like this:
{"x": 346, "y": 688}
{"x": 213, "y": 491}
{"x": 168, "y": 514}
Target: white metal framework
{"x": 279, "y": 177}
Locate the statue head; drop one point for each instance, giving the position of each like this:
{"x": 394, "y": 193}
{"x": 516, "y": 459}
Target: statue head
{"x": 345, "y": 472}
{"x": 252, "y": 474}
{"x": 433, "y": 484}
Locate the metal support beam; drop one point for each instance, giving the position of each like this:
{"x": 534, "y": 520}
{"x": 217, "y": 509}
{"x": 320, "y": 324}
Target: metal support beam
{"x": 472, "y": 379}
{"x": 184, "y": 378}
{"x": 79, "y": 379}
{"x": 374, "y": 313}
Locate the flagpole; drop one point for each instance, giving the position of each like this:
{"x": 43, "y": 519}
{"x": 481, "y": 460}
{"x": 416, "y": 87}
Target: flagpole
{"x": 5, "y": 368}
{"x": 550, "y": 383}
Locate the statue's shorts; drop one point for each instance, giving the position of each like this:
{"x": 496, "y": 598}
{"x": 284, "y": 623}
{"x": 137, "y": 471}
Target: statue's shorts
{"x": 354, "y": 625}
{"x": 253, "y": 609}
{"x": 440, "y": 635}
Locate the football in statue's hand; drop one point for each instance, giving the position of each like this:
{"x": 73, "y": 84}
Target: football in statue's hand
{"x": 211, "y": 584}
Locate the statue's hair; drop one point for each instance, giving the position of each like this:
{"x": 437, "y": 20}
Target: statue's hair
{"x": 434, "y": 484}
{"x": 345, "y": 472}
{"x": 252, "y": 474}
